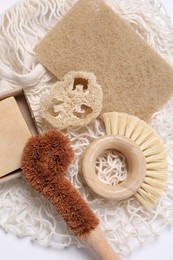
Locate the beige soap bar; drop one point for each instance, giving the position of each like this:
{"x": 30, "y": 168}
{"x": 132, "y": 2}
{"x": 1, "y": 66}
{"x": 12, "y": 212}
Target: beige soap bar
{"x": 14, "y": 133}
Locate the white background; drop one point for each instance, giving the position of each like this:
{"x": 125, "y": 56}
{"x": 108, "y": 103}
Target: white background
{"x": 15, "y": 248}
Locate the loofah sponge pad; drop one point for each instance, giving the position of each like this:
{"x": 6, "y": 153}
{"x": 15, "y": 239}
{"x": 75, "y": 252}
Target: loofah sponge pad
{"x": 75, "y": 101}
{"x": 92, "y": 37}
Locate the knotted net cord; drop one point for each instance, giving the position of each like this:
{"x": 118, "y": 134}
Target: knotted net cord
{"x": 126, "y": 224}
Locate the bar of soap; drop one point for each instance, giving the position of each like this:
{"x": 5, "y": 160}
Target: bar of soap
{"x": 14, "y": 134}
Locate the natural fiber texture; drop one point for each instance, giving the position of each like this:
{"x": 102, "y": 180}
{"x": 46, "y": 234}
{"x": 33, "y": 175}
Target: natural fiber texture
{"x": 45, "y": 161}
{"x": 152, "y": 148}
{"x": 91, "y": 37}
{"x": 126, "y": 225}
{"x": 114, "y": 165}
{"x": 72, "y": 102}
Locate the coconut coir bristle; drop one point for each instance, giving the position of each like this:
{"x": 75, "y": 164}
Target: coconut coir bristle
{"x": 45, "y": 161}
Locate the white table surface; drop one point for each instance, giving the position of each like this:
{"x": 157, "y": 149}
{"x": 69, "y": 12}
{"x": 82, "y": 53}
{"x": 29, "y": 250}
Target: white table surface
{"x": 12, "y": 247}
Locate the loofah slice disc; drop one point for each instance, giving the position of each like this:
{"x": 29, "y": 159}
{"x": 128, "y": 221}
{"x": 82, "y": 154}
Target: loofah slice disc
{"x": 75, "y": 101}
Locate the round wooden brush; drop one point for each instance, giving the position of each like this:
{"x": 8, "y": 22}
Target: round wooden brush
{"x": 149, "y": 142}
{"x": 45, "y": 161}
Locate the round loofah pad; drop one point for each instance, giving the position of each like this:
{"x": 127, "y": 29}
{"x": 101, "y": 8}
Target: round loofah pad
{"x": 72, "y": 102}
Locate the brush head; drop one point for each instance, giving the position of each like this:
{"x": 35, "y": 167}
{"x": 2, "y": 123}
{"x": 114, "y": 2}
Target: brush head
{"x": 152, "y": 148}
{"x": 50, "y": 152}
{"x": 45, "y": 161}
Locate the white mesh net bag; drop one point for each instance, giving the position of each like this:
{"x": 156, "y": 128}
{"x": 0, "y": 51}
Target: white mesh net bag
{"x": 126, "y": 224}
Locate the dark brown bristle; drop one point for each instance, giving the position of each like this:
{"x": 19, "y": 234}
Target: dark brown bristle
{"x": 45, "y": 161}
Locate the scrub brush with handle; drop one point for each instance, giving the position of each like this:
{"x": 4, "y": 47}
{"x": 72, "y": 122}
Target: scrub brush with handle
{"x": 45, "y": 161}
{"x": 148, "y": 140}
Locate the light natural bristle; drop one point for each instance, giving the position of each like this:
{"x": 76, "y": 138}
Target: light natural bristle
{"x": 150, "y": 143}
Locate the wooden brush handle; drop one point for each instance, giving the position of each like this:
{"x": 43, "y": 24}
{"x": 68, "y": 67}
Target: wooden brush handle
{"x": 135, "y": 160}
{"x": 97, "y": 242}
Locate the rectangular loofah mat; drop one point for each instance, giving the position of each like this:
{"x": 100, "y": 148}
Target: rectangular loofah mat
{"x": 92, "y": 37}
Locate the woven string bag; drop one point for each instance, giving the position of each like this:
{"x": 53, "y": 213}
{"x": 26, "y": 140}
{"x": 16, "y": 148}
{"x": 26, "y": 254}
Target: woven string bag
{"x": 126, "y": 224}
